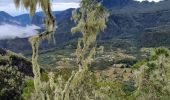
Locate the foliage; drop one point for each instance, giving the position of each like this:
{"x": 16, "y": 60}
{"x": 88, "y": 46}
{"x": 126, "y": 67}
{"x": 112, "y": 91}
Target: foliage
{"x": 14, "y": 69}
{"x": 28, "y": 89}
{"x": 153, "y": 76}
{"x": 50, "y": 26}
{"x": 89, "y": 25}
{"x": 10, "y": 83}
{"x": 56, "y": 87}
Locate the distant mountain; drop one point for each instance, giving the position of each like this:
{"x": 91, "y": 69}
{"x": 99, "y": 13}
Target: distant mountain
{"x": 116, "y": 3}
{"x": 5, "y": 18}
{"x": 4, "y": 15}
{"x": 22, "y": 44}
{"x": 132, "y": 6}
{"x": 54, "y": 13}
{"x": 129, "y": 20}
{"x": 26, "y": 19}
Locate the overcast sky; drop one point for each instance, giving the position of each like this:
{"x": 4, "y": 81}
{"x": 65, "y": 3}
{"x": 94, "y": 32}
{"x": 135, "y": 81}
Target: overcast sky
{"x": 150, "y": 0}
{"x": 57, "y": 5}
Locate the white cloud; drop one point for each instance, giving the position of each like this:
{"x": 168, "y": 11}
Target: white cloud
{"x": 13, "y": 31}
{"x": 150, "y": 0}
{"x": 64, "y": 6}
{"x": 66, "y": 1}
{"x": 60, "y": 1}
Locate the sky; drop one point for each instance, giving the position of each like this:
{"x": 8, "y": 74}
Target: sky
{"x": 57, "y": 5}
{"x": 150, "y": 0}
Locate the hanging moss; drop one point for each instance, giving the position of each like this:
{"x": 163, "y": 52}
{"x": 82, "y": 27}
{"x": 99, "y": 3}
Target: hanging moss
{"x": 50, "y": 25}
{"x": 91, "y": 19}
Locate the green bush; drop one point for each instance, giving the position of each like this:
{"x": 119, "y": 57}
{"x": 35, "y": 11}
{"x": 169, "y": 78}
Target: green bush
{"x": 10, "y": 83}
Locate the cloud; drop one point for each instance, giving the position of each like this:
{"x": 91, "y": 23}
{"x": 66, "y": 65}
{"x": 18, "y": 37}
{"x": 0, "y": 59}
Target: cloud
{"x": 60, "y": 1}
{"x": 64, "y": 6}
{"x": 149, "y": 0}
{"x": 13, "y": 31}
{"x": 66, "y": 1}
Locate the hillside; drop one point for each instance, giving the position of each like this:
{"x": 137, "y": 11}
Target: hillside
{"x": 14, "y": 69}
{"x": 5, "y": 18}
{"x": 8, "y": 58}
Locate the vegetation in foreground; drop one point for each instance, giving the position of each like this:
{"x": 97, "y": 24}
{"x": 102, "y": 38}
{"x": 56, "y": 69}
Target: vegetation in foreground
{"x": 146, "y": 79}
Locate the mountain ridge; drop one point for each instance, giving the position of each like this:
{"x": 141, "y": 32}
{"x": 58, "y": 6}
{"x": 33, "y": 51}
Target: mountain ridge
{"x": 122, "y": 24}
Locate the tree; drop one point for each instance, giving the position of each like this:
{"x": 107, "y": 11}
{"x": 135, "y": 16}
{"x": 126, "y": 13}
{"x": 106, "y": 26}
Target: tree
{"x": 91, "y": 19}
{"x": 50, "y": 25}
